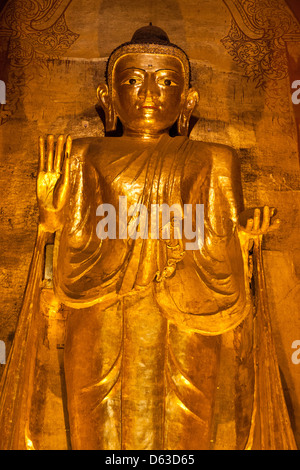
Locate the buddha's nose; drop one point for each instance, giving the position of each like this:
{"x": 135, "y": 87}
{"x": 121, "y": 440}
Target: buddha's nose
{"x": 150, "y": 89}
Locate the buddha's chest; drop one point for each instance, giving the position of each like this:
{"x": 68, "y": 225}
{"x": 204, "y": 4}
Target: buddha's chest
{"x": 141, "y": 176}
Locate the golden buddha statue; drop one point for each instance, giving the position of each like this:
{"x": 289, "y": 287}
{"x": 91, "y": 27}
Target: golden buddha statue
{"x": 146, "y": 316}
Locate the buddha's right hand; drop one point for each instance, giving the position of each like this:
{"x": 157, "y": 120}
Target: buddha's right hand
{"x": 53, "y": 181}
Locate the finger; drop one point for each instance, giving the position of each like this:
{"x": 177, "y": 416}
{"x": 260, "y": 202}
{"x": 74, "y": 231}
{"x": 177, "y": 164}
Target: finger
{"x": 275, "y": 225}
{"x": 249, "y": 225}
{"x": 266, "y": 219}
{"x": 41, "y": 154}
{"x": 50, "y": 150}
{"x": 66, "y": 165}
{"x": 66, "y": 170}
{"x": 58, "y": 153}
{"x": 69, "y": 145}
{"x": 60, "y": 194}
{"x": 272, "y": 211}
{"x": 256, "y": 219}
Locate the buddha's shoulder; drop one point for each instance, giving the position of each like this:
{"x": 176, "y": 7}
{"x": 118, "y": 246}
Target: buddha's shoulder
{"x": 212, "y": 153}
{"x": 94, "y": 149}
{"x": 83, "y": 146}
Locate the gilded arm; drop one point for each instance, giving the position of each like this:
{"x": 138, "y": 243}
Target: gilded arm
{"x": 251, "y": 224}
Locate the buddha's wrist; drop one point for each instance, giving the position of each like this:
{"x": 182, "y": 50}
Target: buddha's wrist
{"x": 51, "y": 220}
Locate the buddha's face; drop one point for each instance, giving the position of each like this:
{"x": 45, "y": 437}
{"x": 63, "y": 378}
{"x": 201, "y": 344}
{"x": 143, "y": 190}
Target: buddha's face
{"x": 148, "y": 92}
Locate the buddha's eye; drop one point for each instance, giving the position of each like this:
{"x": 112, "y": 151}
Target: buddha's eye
{"x": 166, "y": 82}
{"x": 133, "y": 81}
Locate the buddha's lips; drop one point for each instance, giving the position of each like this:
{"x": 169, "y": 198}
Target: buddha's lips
{"x": 150, "y": 107}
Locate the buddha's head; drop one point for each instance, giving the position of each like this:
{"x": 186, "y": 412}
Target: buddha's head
{"x": 148, "y": 86}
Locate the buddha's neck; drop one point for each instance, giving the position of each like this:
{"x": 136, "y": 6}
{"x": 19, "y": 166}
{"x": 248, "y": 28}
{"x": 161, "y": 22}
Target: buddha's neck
{"x": 143, "y": 136}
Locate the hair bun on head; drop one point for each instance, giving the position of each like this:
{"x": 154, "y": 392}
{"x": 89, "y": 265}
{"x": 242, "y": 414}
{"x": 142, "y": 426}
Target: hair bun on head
{"x": 150, "y": 35}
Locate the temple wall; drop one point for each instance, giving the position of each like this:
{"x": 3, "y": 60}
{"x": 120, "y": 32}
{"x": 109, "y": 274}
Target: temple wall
{"x": 52, "y": 70}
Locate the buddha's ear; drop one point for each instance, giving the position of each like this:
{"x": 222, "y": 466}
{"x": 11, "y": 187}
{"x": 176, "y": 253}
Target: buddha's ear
{"x": 187, "y": 110}
{"x": 107, "y": 106}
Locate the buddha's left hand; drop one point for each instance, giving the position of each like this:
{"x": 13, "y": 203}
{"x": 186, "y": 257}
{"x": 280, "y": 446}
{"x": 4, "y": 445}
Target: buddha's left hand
{"x": 258, "y": 224}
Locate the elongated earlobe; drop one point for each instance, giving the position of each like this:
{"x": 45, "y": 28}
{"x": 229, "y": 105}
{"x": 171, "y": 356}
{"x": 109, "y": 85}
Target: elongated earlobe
{"x": 183, "y": 125}
{"x": 106, "y": 104}
{"x": 188, "y": 108}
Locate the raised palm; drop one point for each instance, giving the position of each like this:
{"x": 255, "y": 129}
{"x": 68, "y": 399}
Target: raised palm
{"x": 53, "y": 180}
